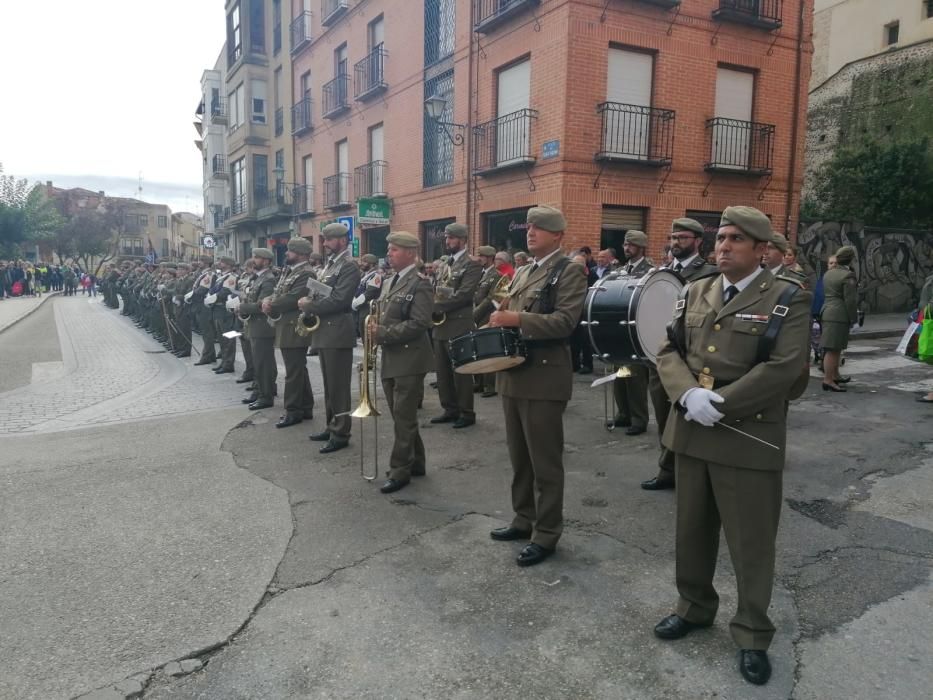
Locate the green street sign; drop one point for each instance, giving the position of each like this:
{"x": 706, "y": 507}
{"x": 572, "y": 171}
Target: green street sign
{"x": 356, "y": 248}
{"x": 373, "y": 210}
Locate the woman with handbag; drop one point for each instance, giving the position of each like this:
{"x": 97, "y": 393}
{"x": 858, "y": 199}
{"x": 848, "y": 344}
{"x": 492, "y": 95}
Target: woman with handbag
{"x": 839, "y": 313}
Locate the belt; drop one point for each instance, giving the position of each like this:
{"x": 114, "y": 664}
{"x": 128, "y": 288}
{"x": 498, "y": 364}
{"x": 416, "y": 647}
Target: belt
{"x": 550, "y": 343}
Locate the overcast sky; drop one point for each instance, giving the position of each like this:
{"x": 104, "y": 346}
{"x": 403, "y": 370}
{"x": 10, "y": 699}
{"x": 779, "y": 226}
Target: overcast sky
{"x": 94, "y": 92}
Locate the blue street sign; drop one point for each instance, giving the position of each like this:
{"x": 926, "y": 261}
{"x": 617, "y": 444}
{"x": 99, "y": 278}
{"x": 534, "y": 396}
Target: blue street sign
{"x": 348, "y": 222}
{"x": 550, "y": 149}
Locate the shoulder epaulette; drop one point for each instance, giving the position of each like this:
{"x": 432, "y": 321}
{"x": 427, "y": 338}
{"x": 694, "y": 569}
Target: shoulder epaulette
{"x": 792, "y": 278}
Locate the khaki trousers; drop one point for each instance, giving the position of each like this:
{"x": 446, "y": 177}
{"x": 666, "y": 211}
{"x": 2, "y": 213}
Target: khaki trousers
{"x": 265, "y": 372}
{"x": 247, "y": 350}
{"x": 662, "y": 409}
{"x": 403, "y": 394}
{"x": 632, "y": 396}
{"x": 454, "y": 390}
{"x": 336, "y": 369}
{"x": 298, "y": 397}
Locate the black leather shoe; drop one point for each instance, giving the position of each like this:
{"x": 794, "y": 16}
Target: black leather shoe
{"x": 288, "y": 420}
{"x": 203, "y": 362}
{"x": 636, "y": 430}
{"x": 488, "y": 394}
{"x": 181, "y": 355}
{"x": 393, "y": 485}
{"x": 507, "y": 534}
{"x": 618, "y": 423}
{"x": 258, "y": 405}
{"x": 533, "y": 554}
{"x": 657, "y": 484}
{"x": 464, "y": 422}
{"x": 843, "y": 380}
{"x": 445, "y": 418}
{"x": 675, "y": 627}
{"x": 250, "y": 398}
{"x": 224, "y": 371}
{"x": 333, "y": 445}
{"x": 320, "y": 437}
{"x": 754, "y": 666}
{"x": 243, "y": 380}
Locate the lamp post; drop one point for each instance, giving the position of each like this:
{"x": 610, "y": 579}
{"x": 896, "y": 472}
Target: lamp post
{"x": 434, "y": 107}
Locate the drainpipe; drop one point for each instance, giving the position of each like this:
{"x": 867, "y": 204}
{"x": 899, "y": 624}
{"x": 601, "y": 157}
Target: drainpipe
{"x": 468, "y": 143}
{"x": 795, "y": 129}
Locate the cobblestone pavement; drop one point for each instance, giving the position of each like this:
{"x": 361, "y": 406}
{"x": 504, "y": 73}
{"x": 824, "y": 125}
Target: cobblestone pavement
{"x": 14, "y": 310}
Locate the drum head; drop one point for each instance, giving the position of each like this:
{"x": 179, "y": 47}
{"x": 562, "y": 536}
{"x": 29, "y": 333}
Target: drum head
{"x": 490, "y": 364}
{"x": 658, "y": 293}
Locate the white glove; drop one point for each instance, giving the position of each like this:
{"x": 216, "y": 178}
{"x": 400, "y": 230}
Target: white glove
{"x": 188, "y": 296}
{"x": 176, "y": 302}
{"x": 358, "y": 301}
{"x": 233, "y": 303}
{"x": 699, "y": 405}
{"x": 210, "y": 299}
{"x": 161, "y": 287}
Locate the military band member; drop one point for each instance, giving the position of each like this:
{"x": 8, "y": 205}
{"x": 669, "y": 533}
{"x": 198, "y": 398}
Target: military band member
{"x": 221, "y": 316}
{"x": 454, "y": 297}
{"x": 242, "y": 286}
{"x": 183, "y": 309}
{"x": 631, "y": 394}
{"x": 401, "y": 331}
{"x": 483, "y": 307}
{"x": 261, "y": 334}
{"x": 686, "y": 239}
{"x": 545, "y": 301}
{"x": 205, "y": 320}
{"x": 335, "y": 339}
{"x": 738, "y": 345}
{"x": 368, "y": 289}
{"x": 282, "y": 308}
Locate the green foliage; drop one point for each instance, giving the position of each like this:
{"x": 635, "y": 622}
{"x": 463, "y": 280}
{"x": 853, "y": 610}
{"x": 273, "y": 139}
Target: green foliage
{"x": 87, "y": 235}
{"x": 882, "y": 184}
{"x": 26, "y": 215}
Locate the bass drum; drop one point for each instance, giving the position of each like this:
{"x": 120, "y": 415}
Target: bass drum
{"x": 627, "y": 317}
{"x": 487, "y": 350}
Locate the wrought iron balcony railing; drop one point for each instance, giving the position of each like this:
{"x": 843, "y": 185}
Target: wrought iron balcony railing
{"x": 740, "y": 147}
{"x": 304, "y": 199}
{"x": 300, "y": 30}
{"x": 336, "y": 96}
{"x": 272, "y": 203}
{"x": 489, "y": 14}
{"x": 370, "y": 179}
{"x": 337, "y": 191}
{"x": 218, "y": 166}
{"x": 238, "y": 205}
{"x": 765, "y": 14}
{"x": 219, "y": 111}
{"x": 369, "y": 74}
{"x": 636, "y": 134}
{"x": 301, "y": 117}
{"x": 503, "y": 142}
{"x": 667, "y": 4}
{"x": 332, "y": 10}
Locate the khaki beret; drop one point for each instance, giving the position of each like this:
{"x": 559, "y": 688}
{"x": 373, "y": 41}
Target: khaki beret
{"x": 207, "y": 260}
{"x": 299, "y": 245}
{"x": 547, "y": 218}
{"x": 778, "y": 241}
{"x": 171, "y": 265}
{"x": 403, "y": 239}
{"x": 456, "y": 230}
{"x": 750, "y": 221}
{"x": 845, "y": 255}
{"x": 486, "y": 250}
{"x": 370, "y": 258}
{"x": 636, "y": 238}
{"x": 263, "y": 253}
{"x": 227, "y": 260}
{"x": 335, "y": 230}
{"x": 184, "y": 266}
{"x": 687, "y": 225}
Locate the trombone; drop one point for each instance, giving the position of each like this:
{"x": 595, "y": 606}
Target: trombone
{"x": 367, "y": 407}
{"x": 442, "y": 290}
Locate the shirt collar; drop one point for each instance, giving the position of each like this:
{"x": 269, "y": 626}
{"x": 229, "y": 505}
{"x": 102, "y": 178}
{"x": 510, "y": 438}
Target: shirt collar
{"x": 684, "y": 263}
{"x": 334, "y": 258}
{"x": 404, "y": 272}
{"x": 776, "y": 270}
{"x": 540, "y": 261}
{"x": 742, "y": 283}
{"x": 456, "y": 256}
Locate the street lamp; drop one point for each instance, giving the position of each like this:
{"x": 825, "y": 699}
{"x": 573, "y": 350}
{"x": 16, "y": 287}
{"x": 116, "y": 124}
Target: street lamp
{"x": 434, "y": 107}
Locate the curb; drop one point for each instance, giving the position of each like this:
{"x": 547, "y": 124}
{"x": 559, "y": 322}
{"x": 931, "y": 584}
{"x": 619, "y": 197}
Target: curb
{"x": 869, "y": 335}
{"x": 45, "y": 298}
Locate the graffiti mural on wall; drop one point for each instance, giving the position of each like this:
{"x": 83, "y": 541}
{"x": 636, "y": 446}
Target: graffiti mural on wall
{"x": 891, "y": 264}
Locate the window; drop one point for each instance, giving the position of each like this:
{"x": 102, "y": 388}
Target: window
{"x": 237, "y": 107}
{"x": 276, "y": 26}
{"x": 258, "y": 110}
{"x": 164, "y": 247}
{"x": 629, "y": 86}
{"x": 163, "y": 222}
{"x": 438, "y": 151}
{"x": 927, "y": 9}
{"x": 143, "y": 220}
{"x": 513, "y": 137}
{"x": 277, "y": 87}
{"x": 376, "y": 33}
{"x": 260, "y": 174}
{"x": 343, "y": 170}
{"x": 238, "y": 185}
{"x": 340, "y": 61}
{"x": 305, "y": 86}
{"x": 280, "y": 160}
{"x": 892, "y": 33}
{"x": 616, "y": 221}
{"x": 234, "y": 38}
{"x": 439, "y": 24}
{"x": 257, "y": 27}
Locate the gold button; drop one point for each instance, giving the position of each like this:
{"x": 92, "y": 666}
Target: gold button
{"x": 706, "y": 370}
{"x": 717, "y": 327}
{"x": 711, "y": 348}
{"x": 754, "y": 329}
{"x": 757, "y": 416}
{"x": 543, "y": 362}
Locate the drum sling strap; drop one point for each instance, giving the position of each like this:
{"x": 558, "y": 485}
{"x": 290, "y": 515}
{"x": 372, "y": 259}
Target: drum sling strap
{"x": 548, "y": 298}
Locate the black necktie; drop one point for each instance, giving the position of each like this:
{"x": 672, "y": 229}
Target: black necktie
{"x": 533, "y": 268}
{"x": 731, "y": 292}
{"x": 394, "y": 280}
{"x": 678, "y": 267}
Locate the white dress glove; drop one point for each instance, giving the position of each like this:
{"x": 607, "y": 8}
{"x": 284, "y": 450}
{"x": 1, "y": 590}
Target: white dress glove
{"x": 188, "y": 296}
{"x": 233, "y": 303}
{"x": 357, "y": 301}
{"x": 699, "y": 404}
{"x": 210, "y": 299}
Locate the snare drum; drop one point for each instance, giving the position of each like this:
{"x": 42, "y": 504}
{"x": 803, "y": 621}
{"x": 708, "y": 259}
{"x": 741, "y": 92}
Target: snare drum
{"x": 487, "y": 350}
{"x": 627, "y": 317}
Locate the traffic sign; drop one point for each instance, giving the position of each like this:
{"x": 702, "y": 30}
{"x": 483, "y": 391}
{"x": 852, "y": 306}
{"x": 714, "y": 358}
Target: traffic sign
{"x": 356, "y": 248}
{"x": 348, "y": 222}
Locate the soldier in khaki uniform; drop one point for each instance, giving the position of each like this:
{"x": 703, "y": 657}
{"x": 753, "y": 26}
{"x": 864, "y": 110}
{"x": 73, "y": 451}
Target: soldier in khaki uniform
{"x": 483, "y": 307}
{"x": 686, "y": 238}
{"x": 261, "y": 334}
{"x": 454, "y": 298}
{"x": 545, "y": 301}
{"x": 717, "y": 369}
{"x": 335, "y": 338}
{"x": 205, "y": 324}
{"x": 773, "y": 260}
{"x": 222, "y": 317}
{"x": 242, "y": 287}
{"x": 183, "y": 309}
{"x": 631, "y": 394}
{"x": 282, "y": 309}
{"x": 402, "y": 331}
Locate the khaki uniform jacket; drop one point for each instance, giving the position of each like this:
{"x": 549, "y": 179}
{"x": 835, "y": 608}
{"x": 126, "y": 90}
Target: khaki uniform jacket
{"x": 258, "y": 324}
{"x": 698, "y": 267}
{"x": 337, "y": 329}
{"x": 464, "y": 278}
{"x": 841, "y": 296}
{"x": 547, "y": 374}
{"x": 639, "y": 269}
{"x": 404, "y": 320}
{"x": 292, "y": 285}
{"x": 722, "y": 343}
{"x": 482, "y": 299}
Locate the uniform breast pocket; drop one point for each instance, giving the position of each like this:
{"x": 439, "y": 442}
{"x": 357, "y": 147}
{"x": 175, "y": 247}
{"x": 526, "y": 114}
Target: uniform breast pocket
{"x": 746, "y": 335}
{"x": 694, "y": 323}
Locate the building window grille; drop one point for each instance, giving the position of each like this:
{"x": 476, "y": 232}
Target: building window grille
{"x": 234, "y": 36}
{"x": 438, "y": 150}
{"x": 439, "y": 25}
{"x": 257, "y": 27}
{"x": 892, "y": 33}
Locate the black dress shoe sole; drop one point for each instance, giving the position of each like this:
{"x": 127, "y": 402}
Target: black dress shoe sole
{"x": 636, "y": 431}
{"x": 444, "y": 419}
{"x": 333, "y": 447}
{"x": 536, "y": 558}
{"x": 506, "y": 536}
{"x": 287, "y": 423}
{"x": 758, "y": 676}
{"x": 682, "y": 630}
{"x": 657, "y": 485}
{"x": 319, "y": 437}
{"x": 259, "y": 406}
{"x": 243, "y": 381}
{"x": 393, "y": 486}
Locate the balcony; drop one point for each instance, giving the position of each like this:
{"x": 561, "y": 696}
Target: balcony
{"x": 279, "y": 121}
{"x": 337, "y": 191}
{"x": 337, "y": 96}
{"x": 666, "y": 4}
{"x": 369, "y": 74}
{"x": 332, "y": 10}
{"x": 273, "y": 203}
{"x": 238, "y": 205}
{"x": 635, "y": 134}
{"x": 764, "y": 14}
{"x": 504, "y": 142}
{"x": 219, "y": 167}
{"x": 740, "y": 147}
{"x": 370, "y": 179}
{"x": 219, "y": 111}
{"x": 489, "y": 14}
{"x": 301, "y": 117}
{"x": 303, "y": 200}
{"x": 300, "y": 30}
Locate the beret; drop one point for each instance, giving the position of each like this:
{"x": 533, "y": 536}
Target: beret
{"x": 207, "y": 259}
{"x": 547, "y": 218}
{"x": 227, "y": 260}
{"x": 403, "y": 239}
{"x": 456, "y": 230}
{"x": 184, "y": 266}
{"x": 750, "y": 221}
{"x": 370, "y": 258}
{"x": 636, "y": 238}
{"x": 263, "y": 253}
{"x": 486, "y": 250}
{"x": 317, "y": 257}
{"x": 778, "y": 241}
{"x": 170, "y": 265}
{"x": 845, "y": 255}
{"x": 299, "y": 245}
{"x": 335, "y": 230}
{"x": 687, "y": 225}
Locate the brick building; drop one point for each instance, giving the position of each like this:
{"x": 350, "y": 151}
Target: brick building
{"x": 624, "y": 113}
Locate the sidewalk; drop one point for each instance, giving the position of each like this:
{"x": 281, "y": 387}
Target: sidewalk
{"x": 882, "y": 326}
{"x": 14, "y": 310}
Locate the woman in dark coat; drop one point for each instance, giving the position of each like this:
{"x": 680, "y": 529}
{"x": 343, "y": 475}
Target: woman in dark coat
{"x": 839, "y": 313}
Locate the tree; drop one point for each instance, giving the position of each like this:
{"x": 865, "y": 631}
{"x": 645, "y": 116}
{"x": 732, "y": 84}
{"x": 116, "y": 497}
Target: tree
{"x": 882, "y": 184}
{"x": 87, "y": 237}
{"x": 26, "y": 214}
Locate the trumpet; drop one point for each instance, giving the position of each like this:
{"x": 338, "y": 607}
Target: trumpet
{"x": 367, "y": 407}
{"x": 442, "y": 290}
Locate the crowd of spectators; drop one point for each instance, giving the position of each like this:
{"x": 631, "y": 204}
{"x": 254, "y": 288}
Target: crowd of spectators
{"x": 21, "y": 278}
